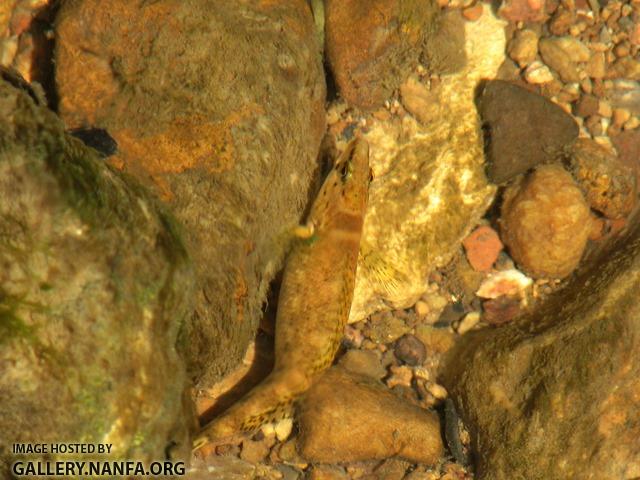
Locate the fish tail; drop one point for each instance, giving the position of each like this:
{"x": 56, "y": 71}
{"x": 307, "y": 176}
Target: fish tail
{"x": 271, "y": 400}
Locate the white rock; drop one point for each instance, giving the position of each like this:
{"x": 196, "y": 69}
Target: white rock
{"x": 538, "y": 73}
{"x": 506, "y": 282}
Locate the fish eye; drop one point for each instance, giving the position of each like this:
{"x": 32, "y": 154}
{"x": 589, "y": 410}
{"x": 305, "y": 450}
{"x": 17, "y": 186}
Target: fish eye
{"x": 344, "y": 170}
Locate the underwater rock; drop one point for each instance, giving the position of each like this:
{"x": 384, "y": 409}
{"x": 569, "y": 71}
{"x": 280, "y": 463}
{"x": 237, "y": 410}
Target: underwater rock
{"x": 557, "y": 394}
{"x": 429, "y": 188}
{"x": 227, "y": 136}
{"x": 524, "y": 129}
{"x": 610, "y": 186}
{"x": 95, "y": 283}
{"x": 334, "y": 428}
{"x": 545, "y": 222}
{"x": 372, "y": 45}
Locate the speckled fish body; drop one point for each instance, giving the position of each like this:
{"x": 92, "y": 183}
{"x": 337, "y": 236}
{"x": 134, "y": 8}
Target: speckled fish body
{"x": 315, "y": 298}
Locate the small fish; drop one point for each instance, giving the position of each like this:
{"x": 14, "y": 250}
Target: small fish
{"x": 315, "y": 298}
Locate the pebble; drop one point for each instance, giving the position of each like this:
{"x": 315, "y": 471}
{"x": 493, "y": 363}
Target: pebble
{"x": 561, "y": 22}
{"x": 288, "y": 472}
{"x": 410, "y": 350}
{"x": 399, "y": 375}
{"x": 255, "y": 452}
{"x": 451, "y": 313}
{"x": 364, "y": 362}
{"x": 523, "y": 10}
{"x": 523, "y": 49}
{"x": 437, "y": 390}
{"x": 473, "y": 13}
{"x": 420, "y": 101}
{"x": 596, "y": 66}
{"x": 554, "y": 55}
{"x": 288, "y": 452}
{"x": 500, "y": 310}
{"x": 422, "y": 308}
{"x": 586, "y": 106}
{"x": 625, "y": 94}
{"x": 385, "y": 327}
{"x": 545, "y": 222}
{"x": 524, "y": 129}
{"x": 435, "y": 340}
{"x": 283, "y": 429}
{"x": 505, "y": 282}
{"x": 482, "y": 246}
{"x": 620, "y": 116}
{"x": 373, "y": 423}
{"x": 469, "y": 321}
{"x": 391, "y": 469}
{"x": 538, "y": 73}
{"x": 624, "y": 68}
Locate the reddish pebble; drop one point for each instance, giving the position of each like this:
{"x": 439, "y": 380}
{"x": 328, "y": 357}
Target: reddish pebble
{"x": 500, "y": 310}
{"x": 473, "y": 13}
{"x": 523, "y": 10}
{"x": 483, "y": 247}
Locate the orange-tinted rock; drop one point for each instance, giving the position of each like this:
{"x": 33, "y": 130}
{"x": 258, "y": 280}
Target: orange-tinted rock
{"x": 610, "y": 187}
{"x": 473, "y": 13}
{"x": 545, "y": 222}
{"x": 523, "y": 10}
{"x": 482, "y": 247}
{"x": 222, "y": 119}
{"x": 372, "y": 45}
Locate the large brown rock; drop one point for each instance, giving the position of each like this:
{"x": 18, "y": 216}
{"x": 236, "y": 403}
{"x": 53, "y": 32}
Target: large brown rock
{"x": 347, "y": 417}
{"x": 523, "y": 129}
{"x": 372, "y": 45}
{"x": 557, "y": 394}
{"x": 95, "y": 283}
{"x": 219, "y": 107}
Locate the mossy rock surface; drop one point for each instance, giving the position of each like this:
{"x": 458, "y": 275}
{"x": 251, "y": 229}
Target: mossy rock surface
{"x": 95, "y": 284}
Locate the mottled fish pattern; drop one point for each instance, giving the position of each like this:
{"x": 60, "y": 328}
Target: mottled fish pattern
{"x": 315, "y": 298}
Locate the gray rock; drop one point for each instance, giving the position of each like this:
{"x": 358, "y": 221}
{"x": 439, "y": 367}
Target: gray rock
{"x": 524, "y": 129}
{"x": 556, "y": 395}
{"x": 410, "y": 350}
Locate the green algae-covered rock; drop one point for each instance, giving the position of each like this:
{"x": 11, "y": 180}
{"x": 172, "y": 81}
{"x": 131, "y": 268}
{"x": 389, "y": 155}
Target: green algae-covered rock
{"x": 94, "y": 287}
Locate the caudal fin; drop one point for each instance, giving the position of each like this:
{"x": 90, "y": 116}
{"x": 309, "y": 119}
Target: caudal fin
{"x": 269, "y": 401}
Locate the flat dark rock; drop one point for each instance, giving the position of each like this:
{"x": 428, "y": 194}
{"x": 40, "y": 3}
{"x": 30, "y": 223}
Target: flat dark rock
{"x": 523, "y": 129}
